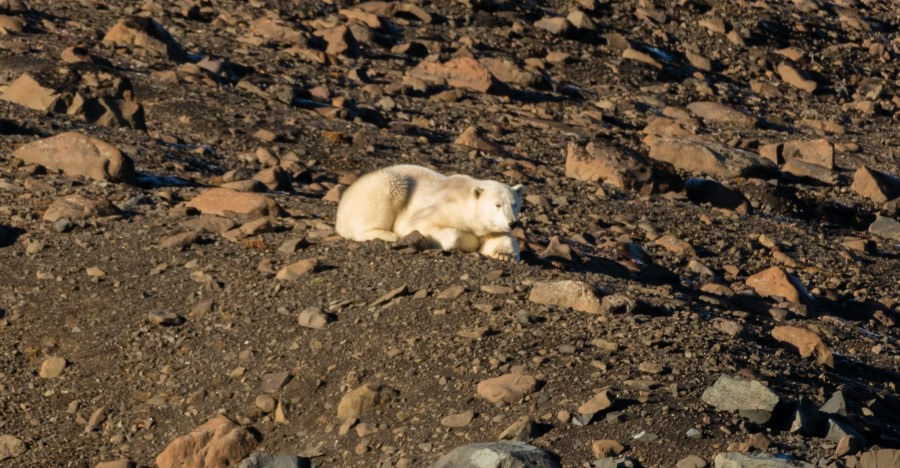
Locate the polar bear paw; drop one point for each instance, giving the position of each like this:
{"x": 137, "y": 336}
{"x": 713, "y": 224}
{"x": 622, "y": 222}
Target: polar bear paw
{"x": 501, "y": 247}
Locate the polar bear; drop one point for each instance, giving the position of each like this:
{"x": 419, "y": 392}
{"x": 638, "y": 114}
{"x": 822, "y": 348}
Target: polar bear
{"x": 454, "y": 212}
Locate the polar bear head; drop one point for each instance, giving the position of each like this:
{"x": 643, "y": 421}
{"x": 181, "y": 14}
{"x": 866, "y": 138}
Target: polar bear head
{"x": 497, "y": 206}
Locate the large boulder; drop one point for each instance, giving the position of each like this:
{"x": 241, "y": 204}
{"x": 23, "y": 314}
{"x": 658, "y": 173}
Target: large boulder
{"x": 709, "y": 158}
{"x": 219, "y": 442}
{"x": 79, "y": 155}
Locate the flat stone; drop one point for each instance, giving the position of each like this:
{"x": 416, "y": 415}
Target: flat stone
{"x": 554, "y": 25}
{"x": 599, "y": 402}
{"x": 11, "y": 447}
{"x": 736, "y": 394}
{"x": 715, "y": 112}
{"x": 523, "y": 429}
{"x": 78, "y": 207}
{"x": 704, "y": 157}
{"x": 613, "y": 166}
{"x": 78, "y": 155}
{"x": 835, "y": 405}
{"x": 508, "y": 388}
{"x": 274, "y": 381}
{"x": 577, "y": 295}
{"x": 807, "y": 170}
{"x": 796, "y": 77}
{"x": 297, "y": 269}
{"x": 885, "y": 227}
{"x": 496, "y": 455}
{"x": 460, "y": 72}
{"x": 880, "y": 458}
{"x": 217, "y": 442}
{"x": 819, "y": 152}
{"x": 31, "y": 91}
{"x": 230, "y": 203}
{"x": 508, "y": 72}
{"x": 458, "y": 420}
{"x": 470, "y": 138}
{"x": 807, "y": 342}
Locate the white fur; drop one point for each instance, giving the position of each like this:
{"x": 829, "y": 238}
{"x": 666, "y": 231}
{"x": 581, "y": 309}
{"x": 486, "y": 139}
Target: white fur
{"x": 456, "y": 212}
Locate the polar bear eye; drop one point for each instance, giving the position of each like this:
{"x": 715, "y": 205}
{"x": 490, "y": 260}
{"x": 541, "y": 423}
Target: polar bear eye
{"x": 498, "y": 205}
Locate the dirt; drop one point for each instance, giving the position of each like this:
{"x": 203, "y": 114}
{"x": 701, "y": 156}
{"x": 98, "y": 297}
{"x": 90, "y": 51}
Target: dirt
{"x": 351, "y": 115}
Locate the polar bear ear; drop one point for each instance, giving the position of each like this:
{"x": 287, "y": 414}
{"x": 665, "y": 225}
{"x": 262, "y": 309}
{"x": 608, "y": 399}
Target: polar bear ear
{"x": 519, "y": 188}
{"x": 477, "y": 191}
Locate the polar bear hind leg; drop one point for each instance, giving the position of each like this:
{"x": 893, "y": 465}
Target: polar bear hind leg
{"x": 369, "y": 207}
{"x": 500, "y": 246}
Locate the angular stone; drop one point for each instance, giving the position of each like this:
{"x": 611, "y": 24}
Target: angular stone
{"x": 599, "y": 402}
{"x": 567, "y": 293}
{"x": 806, "y": 419}
{"x": 297, "y": 269}
{"x": 341, "y": 41}
{"x": 714, "y": 112}
{"x": 795, "y": 77}
{"x": 313, "y": 317}
{"x": 736, "y": 394}
{"x": 497, "y": 455}
{"x": 676, "y": 245}
{"x": 78, "y": 155}
{"x": 889, "y": 228}
{"x": 877, "y": 186}
{"x": 775, "y": 282}
{"x": 880, "y": 458}
{"x": 709, "y": 191}
{"x": 638, "y": 56}
{"x": 606, "y": 448}
{"x": 838, "y": 430}
{"x": 78, "y": 207}
{"x": 460, "y": 72}
{"x": 554, "y": 25}
{"x": 276, "y": 31}
{"x": 275, "y": 178}
{"x": 11, "y": 447}
{"x": 30, "y": 91}
{"x": 218, "y": 442}
{"x": 179, "y": 241}
{"x": 710, "y": 158}
{"x": 807, "y": 342}
{"x": 508, "y": 72}
{"x": 835, "y": 405}
{"x": 508, "y": 388}
{"x": 523, "y": 429}
{"x": 362, "y": 400}
{"x": 602, "y": 163}
{"x": 470, "y": 138}
{"x": 144, "y": 36}
{"x": 819, "y": 152}
{"x": 52, "y": 367}
{"x": 229, "y": 203}
{"x": 807, "y": 170}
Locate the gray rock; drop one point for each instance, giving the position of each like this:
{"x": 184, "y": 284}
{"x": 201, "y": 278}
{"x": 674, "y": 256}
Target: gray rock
{"x": 751, "y": 398}
{"x": 497, "y": 455}
{"x": 886, "y": 227}
{"x": 615, "y": 462}
{"x": 743, "y": 460}
{"x": 838, "y": 429}
{"x": 835, "y": 404}
{"x": 806, "y": 418}
{"x": 266, "y": 460}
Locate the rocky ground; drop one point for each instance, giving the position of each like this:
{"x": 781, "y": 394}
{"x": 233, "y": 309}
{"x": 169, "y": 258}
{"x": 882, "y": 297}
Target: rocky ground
{"x": 710, "y": 238}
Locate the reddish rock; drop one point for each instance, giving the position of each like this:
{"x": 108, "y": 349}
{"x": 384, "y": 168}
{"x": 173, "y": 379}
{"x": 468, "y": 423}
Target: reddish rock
{"x": 362, "y": 400}
{"x": 796, "y": 78}
{"x": 470, "y": 138}
{"x": 674, "y": 244}
{"x": 567, "y": 293}
{"x": 79, "y": 156}
{"x": 511, "y": 74}
{"x": 11, "y": 25}
{"x": 217, "y": 443}
{"x": 509, "y": 388}
{"x": 819, "y": 152}
{"x": 144, "y": 36}
{"x": 807, "y": 170}
{"x": 340, "y": 41}
{"x": 874, "y": 185}
{"x": 229, "y": 203}
{"x": 599, "y": 402}
{"x": 607, "y": 448}
{"x": 460, "y": 72}
{"x": 709, "y": 158}
{"x": 638, "y": 56}
{"x": 276, "y": 31}
{"x": 554, "y": 25}
{"x": 30, "y": 91}
{"x": 297, "y": 269}
{"x": 713, "y": 112}
{"x": 807, "y": 342}
{"x": 775, "y": 282}
{"x": 603, "y": 163}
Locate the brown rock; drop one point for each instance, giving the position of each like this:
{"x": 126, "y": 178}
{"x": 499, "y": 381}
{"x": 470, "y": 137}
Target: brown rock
{"x": 638, "y": 56}
{"x": 807, "y": 342}
{"x": 275, "y": 178}
{"x": 566, "y": 293}
{"x": 795, "y": 77}
{"x": 11, "y": 25}
{"x": 508, "y": 72}
{"x": 217, "y": 443}
{"x": 77, "y": 207}
{"x": 297, "y": 269}
{"x": 710, "y": 158}
{"x": 554, "y": 25}
{"x": 775, "y": 282}
{"x": 457, "y": 420}
{"x": 13, "y": 6}
{"x": 275, "y": 31}
{"x": 599, "y": 402}
{"x": 79, "y": 155}
{"x": 470, "y": 138}
{"x": 229, "y": 203}
{"x": 52, "y": 367}
{"x": 362, "y": 401}
{"x": 11, "y": 447}
{"x": 460, "y": 72}
{"x": 713, "y": 112}
{"x": 144, "y": 36}
{"x": 674, "y": 244}
{"x": 807, "y": 170}
{"x": 121, "y": 463}
{"x": 30, "y": 91}
{"x": 607, "y": 448}
{"x": 874, "y": 185}
{"x": 608, "y": 164}
{"x": 819, "y": 152}
{"x": 698, "y": 61}
{"x": 508, "y": 388}
{"x": 340, "y": 41}
{"x": 880, "y": 458}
